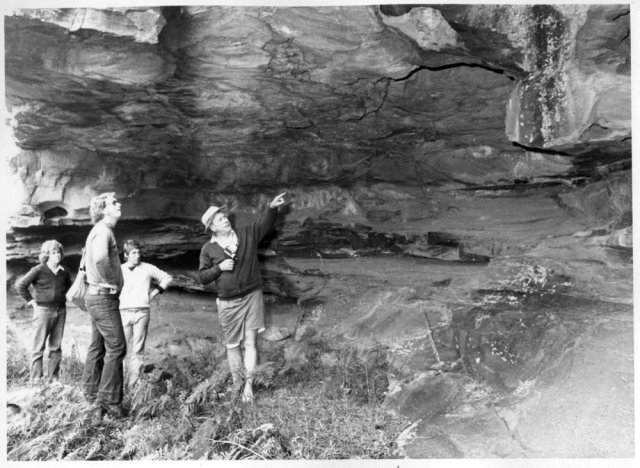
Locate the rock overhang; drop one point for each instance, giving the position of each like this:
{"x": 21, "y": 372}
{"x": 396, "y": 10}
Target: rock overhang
{"x": 172, "y": 107}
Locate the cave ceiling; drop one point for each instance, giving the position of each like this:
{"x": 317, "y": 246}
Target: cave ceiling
{"x": 461, "y": 205}
{"x": 167, "y": 106}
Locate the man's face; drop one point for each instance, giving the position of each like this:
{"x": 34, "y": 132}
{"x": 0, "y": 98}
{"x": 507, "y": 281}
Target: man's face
{"x": 133, "y": 257}
{"x": 220, "y": 222}
{"x": 112, "y": 208}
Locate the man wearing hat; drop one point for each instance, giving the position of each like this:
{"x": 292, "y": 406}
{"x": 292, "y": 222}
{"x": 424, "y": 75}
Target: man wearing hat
{"x": 230, "y": 258}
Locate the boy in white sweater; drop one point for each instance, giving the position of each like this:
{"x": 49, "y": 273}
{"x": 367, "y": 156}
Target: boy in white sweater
{"x": 135, "y": 298}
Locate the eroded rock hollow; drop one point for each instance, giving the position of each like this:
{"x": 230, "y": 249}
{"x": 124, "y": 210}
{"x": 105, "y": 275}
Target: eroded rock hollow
{"x": 492, "y": 137}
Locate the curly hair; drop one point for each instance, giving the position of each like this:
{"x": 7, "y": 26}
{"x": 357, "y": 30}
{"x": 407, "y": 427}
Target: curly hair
{"x": 48, "y": 247}
{"x": 96, "y": 210}
{"x": 130, "y": 245}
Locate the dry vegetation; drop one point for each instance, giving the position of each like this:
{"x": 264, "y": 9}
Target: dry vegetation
{"x": 330, "y": 406}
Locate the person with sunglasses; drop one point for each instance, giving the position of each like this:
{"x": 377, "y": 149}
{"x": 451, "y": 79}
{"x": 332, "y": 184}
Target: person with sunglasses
{"x": 103, "y": 371}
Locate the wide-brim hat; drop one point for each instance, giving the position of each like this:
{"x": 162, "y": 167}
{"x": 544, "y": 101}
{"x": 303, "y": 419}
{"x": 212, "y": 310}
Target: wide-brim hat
{"x": 208, "y": 215}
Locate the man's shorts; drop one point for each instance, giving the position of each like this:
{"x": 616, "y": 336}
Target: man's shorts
{"x": 239, "y": 314}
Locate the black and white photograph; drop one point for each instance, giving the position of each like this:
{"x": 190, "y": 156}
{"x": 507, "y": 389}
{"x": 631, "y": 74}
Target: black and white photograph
{"x": 361, "y": 234}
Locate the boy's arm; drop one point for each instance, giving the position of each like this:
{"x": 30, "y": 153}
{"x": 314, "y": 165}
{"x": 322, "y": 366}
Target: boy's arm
{"x": 22, "y": 285}
{"x": 67, "y": 280}
{"x": 162, "y": 278}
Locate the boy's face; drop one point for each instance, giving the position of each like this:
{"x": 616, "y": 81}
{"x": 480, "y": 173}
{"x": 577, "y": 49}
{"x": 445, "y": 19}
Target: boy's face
{"x": 133, "y": 257}
{"x": 54, "y": 257}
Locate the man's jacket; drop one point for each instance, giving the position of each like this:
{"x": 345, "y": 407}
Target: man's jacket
{"x": 245, "y": 276}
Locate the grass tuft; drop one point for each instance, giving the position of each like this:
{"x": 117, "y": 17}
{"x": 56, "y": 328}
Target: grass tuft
{"x": 186, "y": 409}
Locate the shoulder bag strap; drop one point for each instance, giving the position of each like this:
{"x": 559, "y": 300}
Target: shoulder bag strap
{"x": 81, "y": 267}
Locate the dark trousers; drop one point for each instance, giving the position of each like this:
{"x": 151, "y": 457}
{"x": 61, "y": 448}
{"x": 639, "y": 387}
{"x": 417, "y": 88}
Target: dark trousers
{"x": 48, "y": 323}
{"x": 103, "y": 372}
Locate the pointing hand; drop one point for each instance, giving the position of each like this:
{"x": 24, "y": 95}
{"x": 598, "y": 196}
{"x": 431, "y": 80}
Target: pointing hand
{"x": 279, "y": 200}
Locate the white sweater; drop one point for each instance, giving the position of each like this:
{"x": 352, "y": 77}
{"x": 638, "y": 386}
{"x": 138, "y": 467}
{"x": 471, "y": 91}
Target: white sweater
{"x": 137, "y": 284}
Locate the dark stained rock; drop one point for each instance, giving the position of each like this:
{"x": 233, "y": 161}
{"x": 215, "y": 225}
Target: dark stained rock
{"x": 449, "y": 247}
{"x": 173, "y": 107}
{"x": 304, "y": 332}
{"x": 604, "y": 202}
{"x": 567, "y": 100}
{"x": 428, "y": 397}
{"x": 498, "y": 134}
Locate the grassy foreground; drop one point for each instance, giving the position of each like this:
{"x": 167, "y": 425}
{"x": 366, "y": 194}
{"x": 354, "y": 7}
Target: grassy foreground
{"x": 325, "y": 406}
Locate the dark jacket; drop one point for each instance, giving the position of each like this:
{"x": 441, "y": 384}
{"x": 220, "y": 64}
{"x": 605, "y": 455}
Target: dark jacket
{"x": 50, "y": 288}
{"x": 245, "y": 276}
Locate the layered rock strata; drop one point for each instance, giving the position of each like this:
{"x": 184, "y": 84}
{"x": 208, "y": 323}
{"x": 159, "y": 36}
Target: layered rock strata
{"x": 351, "y": 108}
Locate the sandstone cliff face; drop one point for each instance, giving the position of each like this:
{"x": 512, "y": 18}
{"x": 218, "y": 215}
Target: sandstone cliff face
{"x": 493, "y": 138}
{"x": 379, "y": 119}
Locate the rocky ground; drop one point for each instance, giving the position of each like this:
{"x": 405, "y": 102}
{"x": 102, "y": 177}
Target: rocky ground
{"x": 500, "y": 359}
{"x": 461, "y": 215}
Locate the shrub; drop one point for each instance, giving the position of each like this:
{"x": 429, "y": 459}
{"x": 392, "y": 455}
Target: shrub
{"x": 318, "y": 411}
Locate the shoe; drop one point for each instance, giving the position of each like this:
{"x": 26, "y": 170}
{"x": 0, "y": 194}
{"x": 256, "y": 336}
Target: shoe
{"x": 37, "y": 382}
{"x": 113, "y": 411}
{"x": 248, "y": 398}
{"x": 55, "y": 383}
{"x": 95, "y": 413}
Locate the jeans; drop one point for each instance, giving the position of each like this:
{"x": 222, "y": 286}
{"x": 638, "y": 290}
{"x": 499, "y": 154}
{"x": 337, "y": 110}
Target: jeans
{"x": 103, "y": 373}
{"x": 136, "y": 324}
{"x": 48, "y": 322}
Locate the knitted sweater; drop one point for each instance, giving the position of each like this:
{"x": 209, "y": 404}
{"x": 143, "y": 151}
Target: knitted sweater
{"x": 50, "y": 288}
{"x": 245, "y": 277}
{"x": 102, "y": 262}
{"x": 135, "y": 292}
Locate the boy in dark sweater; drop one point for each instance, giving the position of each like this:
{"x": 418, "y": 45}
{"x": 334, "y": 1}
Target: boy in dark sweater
{"x": 50, "y": 281}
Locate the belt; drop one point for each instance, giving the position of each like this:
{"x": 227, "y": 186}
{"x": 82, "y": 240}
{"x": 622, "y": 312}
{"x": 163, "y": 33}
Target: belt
{"x": 97, "y": 291}
{"x": 135, "y": 309}
{"x": 50, "y": 305}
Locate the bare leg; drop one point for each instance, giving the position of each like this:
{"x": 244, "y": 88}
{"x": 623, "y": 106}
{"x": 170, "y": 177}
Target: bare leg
{"x": 250, "y": 361}
{"x": 235, "y": 364}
